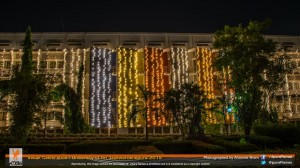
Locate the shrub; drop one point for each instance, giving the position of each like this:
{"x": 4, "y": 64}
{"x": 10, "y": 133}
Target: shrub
{"x": 288, "y": 134}
{"x": 145, "y": 150}
{"x": 231, "y": 146}
{"x": 264, "y": 142}
{"x": 176, "y": 147}
{"x": 203, "y": 147}
{"x": 106, "y": 146}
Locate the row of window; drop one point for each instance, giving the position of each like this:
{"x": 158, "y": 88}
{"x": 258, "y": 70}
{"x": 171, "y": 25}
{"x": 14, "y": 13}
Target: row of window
{"x": 43, "y": 64}
{"x": 294, "y": 107}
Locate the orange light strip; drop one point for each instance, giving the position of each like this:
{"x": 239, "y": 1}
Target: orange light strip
{"x": 154, "y": 83}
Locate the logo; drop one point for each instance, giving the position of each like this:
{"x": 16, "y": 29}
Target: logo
{"x": 263, "y": 159}
{"x": 15, "y": 157}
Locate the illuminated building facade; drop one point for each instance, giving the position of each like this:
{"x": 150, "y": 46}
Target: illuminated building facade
{"x": 117, "y": 63}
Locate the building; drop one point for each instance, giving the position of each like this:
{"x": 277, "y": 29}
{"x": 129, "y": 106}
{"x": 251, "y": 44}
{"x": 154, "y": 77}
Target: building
{"x": 117, "y": 63}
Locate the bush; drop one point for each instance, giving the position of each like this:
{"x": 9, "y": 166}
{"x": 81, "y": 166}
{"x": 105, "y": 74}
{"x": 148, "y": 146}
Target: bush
{"x": 264, "y": 142}
{"x": 202, "y": 147}
{"x": 176, "y": 147}
{"x": 105, "y": 147}
{"x": 145, "y": 150}
{"x": 231, "y": 146}
{"x": 288, "y": 134}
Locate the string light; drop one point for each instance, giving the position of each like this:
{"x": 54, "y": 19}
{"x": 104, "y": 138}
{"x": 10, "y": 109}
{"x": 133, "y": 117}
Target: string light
{"x": 72, "y": 68}
{"x": 83, "y": 83}
{"x": 64, "y": 69}
{"x": 179, "y": 66}
{"x": 154, "y": 83}
{"x": 120, "y": 93}
{"x": 101, "y": 88}
{"x": 205, "y": 77}
{"x": 127, "y": 82}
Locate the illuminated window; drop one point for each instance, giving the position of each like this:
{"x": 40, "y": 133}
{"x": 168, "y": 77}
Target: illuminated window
{"x": 7, "y": 64}
{"x": 52, "y": 64}
{"x": 2, "y": 116}
{"x": 60, "y": 64}
{"x": 43, "y": 64}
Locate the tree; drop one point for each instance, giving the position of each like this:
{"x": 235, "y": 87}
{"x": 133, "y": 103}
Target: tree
{"x": 187, "y": 106}
{"x": 74, "y": 120}
{"x": 256, "y": 69}
{"x": 28, "y": 91}
{"x": 195, "y": 101}
{"x": 138, "y": 106}
{"x": 174, "y": 106}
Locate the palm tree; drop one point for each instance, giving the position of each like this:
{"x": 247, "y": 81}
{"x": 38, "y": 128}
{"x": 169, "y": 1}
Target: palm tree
{"x": 175, "y": 108}
{"x": 142, "y": 107}
{"x": 195, "y": 101}
{"x": 187, "y": 106}
{"x": 74, "y": 120}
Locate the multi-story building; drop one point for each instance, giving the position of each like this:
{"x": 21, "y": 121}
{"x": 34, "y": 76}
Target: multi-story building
{"x": 117, "y": 63}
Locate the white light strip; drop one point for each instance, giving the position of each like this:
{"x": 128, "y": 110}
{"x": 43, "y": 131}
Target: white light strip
{"x": 101, "y": 87}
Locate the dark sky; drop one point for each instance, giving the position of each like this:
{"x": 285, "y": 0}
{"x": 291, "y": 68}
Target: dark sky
{"x": 185, "y": 16}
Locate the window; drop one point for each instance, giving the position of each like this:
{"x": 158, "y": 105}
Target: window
{"x": 7, "y": 64}
{"x": 43, "y": 64}
{"x": 2, "y": 116}
{"x": 60, "y": 64}
{"x": 52, "y": 64}
{"x": 50, "y": 115}
{"x": 295, "y": 86}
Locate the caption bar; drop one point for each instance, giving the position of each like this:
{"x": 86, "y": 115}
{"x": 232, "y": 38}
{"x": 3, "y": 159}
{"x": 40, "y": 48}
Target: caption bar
{"x": 150, "y": 159}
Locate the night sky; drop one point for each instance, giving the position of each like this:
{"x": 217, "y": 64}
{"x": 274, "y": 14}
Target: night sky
{"x": 188, "y": 16}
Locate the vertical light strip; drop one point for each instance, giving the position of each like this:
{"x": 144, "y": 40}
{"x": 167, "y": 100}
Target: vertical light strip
{"x": 186, "y": 65}
{"x": 99, "y": 89}
{"x": 93, "y": 88}
{"x": 130, "y": 74}
{"x": 179, "y": 67}
{"x": 109, "y": 62}
{"x": 78, "y": 63}
{"x": 147, "y": 60}
{"x": 101, "y": 79}
{"x": 205, "y": 76}
{"x": 173, "y": 68}
{"x": 120, "y": 85}
{"x": 72, "y": 68}
{"x": 153, "y": 83}
{"x": 135, "y": 71}
{"x": 64, "y": 70}
{"x": 38, "y": 60}
{"x": 83, "y": 83}
{"x": 162, "y": 86}
{"x": 12, "y": 63}
{"x": 125, "y": 61}
{"x": 104, "y": 119}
